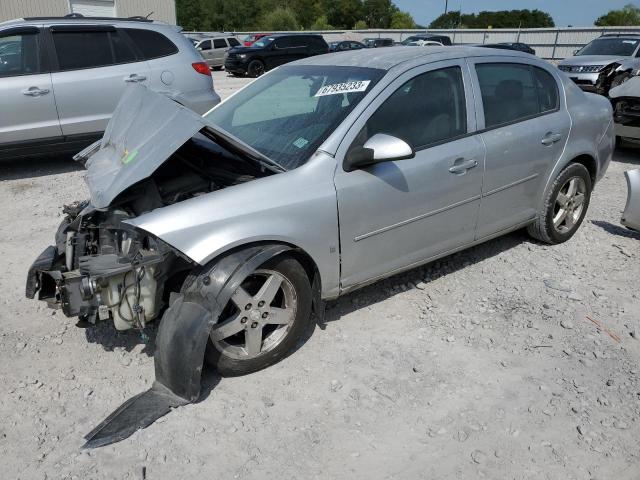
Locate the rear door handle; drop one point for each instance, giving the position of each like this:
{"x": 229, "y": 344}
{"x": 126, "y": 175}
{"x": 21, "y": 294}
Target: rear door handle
{"x": 134, "y": 78}
{"x": 461, "y": 165}
{"x": 551, "y": 138}
{"x": 35, "y": 91}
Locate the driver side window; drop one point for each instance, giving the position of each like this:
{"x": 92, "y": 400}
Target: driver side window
{"x": 428, "y": 109}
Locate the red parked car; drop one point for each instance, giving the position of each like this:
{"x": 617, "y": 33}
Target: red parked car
{"x": 248, "y": 40}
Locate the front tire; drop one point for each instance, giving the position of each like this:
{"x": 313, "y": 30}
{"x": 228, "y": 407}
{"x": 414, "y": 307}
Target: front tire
{"x": 255, "y": 68}
{"x": 565, "y": 206}
{"x": 264, "y": 320}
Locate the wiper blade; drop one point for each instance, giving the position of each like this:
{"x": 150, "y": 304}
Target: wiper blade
{"x": 236, "y": 144}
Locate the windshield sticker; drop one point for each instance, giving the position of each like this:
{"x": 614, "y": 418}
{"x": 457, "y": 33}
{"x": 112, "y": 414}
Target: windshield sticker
{"x": 632, "y": 42}
{"x": 347, "y": 87}
{"x": 128, "y": 157}
{"x": 301, "y": 142}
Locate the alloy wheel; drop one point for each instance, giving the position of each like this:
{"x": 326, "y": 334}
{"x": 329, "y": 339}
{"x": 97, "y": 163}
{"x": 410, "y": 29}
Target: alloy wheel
{"x": 569, "y": 204}
{"x": 258, "y": 317}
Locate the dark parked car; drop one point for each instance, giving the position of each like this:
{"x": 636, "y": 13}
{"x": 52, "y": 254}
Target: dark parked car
{"x": 378, "y": 42}
{"x": 520, "y": 47}
{"x": 443, "y": 39}
{"x": 345, "y": 45}
{"x": 272, "y": 51}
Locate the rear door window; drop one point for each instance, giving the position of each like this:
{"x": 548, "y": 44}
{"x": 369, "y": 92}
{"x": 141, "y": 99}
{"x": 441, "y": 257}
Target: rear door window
{"x": 508, "y": 92}
{"x": 152, "y": 44}
{"x": 19, "y": 54}
{"x": 82, "y": 49}
{"x": 77, "y": 50}
{"x": 219, "y": 43}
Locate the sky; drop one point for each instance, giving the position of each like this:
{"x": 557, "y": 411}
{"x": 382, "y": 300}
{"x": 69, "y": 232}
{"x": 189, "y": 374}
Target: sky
{"x": 579, "y": 13}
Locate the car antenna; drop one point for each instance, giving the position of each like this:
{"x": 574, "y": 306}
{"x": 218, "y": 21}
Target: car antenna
{"x": 149, "y": 14}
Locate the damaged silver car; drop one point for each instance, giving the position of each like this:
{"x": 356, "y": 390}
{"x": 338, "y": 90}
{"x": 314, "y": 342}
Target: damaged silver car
{"x": 318, "y": 178}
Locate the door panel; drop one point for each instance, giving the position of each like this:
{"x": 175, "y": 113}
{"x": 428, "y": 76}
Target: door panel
{"x": 526, "y": 128}
{"x": 90, "y": 81}
{"x": 27, "y": 103}
{"x": 399, "y": 213}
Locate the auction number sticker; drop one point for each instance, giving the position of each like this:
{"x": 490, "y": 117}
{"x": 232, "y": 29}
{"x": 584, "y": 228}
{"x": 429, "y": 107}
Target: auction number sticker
{"x": 347, "y": 87}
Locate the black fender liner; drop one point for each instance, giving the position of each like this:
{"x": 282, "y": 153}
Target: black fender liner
{"x": 181, "y": 343}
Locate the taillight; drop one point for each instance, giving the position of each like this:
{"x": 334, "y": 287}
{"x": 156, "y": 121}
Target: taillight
{"x": 201, "y": 67}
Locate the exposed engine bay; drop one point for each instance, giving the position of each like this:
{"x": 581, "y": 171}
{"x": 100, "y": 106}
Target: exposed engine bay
{"x": 102, "y": 268}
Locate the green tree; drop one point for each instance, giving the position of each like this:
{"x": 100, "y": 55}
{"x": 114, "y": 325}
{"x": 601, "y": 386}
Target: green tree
{"x": 500, "y": 19}
{"x": 360, "y": 25}
{"x": 377, "y": 13}
{"x": 279, "y": 19}
{"x": 343, "y": 14}
{"x": 402, "y": 20}
{"x": 628, "y": 16}
{"x": 321, "y": 23}
{"x": 189, "y": 13}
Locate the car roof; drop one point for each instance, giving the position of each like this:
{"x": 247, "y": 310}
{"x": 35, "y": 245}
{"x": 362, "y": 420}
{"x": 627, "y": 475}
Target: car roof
{"x": 79, "y": 21}
{"x": 387, "y": 58}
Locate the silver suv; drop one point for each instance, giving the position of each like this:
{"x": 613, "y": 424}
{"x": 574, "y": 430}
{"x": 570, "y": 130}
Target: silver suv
{"x": 214, "y": 50}
{"x": 61, "y": 78}
{"x": 590, "y": 65}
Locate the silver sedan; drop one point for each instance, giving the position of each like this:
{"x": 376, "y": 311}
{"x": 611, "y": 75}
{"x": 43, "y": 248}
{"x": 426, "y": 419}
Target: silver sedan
{"x": 316, "y": 179}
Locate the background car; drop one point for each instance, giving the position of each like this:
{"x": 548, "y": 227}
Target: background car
{"x": 272, "y": 51}
{"x": 590, "y": 65}
{"x": 214, "y": 50}
{"x": 344, "y": 45}
{"x": 442, "y": 39}
{"x": 249, "y": 39}
{"x": 88, "y": 63}
{"x": 517, "y": 46}
{"x": 378, "y": 42}
{"x": 424, "y": 43}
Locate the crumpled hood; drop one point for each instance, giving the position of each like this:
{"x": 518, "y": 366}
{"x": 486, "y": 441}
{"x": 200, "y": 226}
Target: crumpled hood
{"x": 145, "y": 130}
{"x": 592, "y": 60}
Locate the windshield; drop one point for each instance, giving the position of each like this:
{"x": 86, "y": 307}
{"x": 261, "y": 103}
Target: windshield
{"x": 610, "y": 46}
{"x": 410, "y": 40}
{"x": 287, "y": 114}
{"x": 263, "y": 42}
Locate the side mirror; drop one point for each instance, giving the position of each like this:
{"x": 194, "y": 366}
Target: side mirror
{"x": 379, "y": 148}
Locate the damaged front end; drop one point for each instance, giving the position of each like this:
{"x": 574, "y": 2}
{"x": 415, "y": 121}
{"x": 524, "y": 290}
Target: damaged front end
{"x": 625, "y": 99}
{"x": 154, "y": 153}
{"x": 101, "y": 268}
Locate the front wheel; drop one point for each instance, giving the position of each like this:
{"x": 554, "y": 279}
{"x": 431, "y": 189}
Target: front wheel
{"x": 565, "y": 206}
{"x": 265, "y": 318}
{"x": 255, "y": 68}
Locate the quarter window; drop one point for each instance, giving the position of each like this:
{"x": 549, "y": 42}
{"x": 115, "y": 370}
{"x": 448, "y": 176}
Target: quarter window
{"x": 513, "y": 92}
{"x": 151, "y": 44}
{"x": 428, "y": 109}
{"x": 19, "y": 55}
{"x": 233, "y": 42}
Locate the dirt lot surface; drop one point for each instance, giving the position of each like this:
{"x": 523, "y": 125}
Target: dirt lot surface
{"x": 481, "y": 365}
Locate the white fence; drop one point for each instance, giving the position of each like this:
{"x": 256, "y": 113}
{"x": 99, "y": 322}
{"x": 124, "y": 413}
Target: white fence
{"x": 549, "y": 43}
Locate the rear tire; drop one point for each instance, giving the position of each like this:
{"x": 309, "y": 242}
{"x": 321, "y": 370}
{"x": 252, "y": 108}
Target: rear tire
{"x": 231, "y": 355}
{"x": 565, "y": 206}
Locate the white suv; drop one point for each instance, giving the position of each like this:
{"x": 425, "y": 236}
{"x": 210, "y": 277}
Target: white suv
{"x": 61, "y": 78}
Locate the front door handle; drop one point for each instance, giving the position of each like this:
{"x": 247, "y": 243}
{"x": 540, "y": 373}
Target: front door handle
{"x": 461, "y": 165}
{"x": 134, "y": 78}
{"x": 551, "y": 138}
{"x": 35, "y": 91}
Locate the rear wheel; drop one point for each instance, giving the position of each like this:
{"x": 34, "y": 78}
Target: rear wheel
{"x": 255, "y": 68}
{"x": 565, "y": 206}
{"x": 264, "y": 319}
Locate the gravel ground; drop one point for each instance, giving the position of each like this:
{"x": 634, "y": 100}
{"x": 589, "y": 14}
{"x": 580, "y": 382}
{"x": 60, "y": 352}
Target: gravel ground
{"x": 483, "y": 364}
